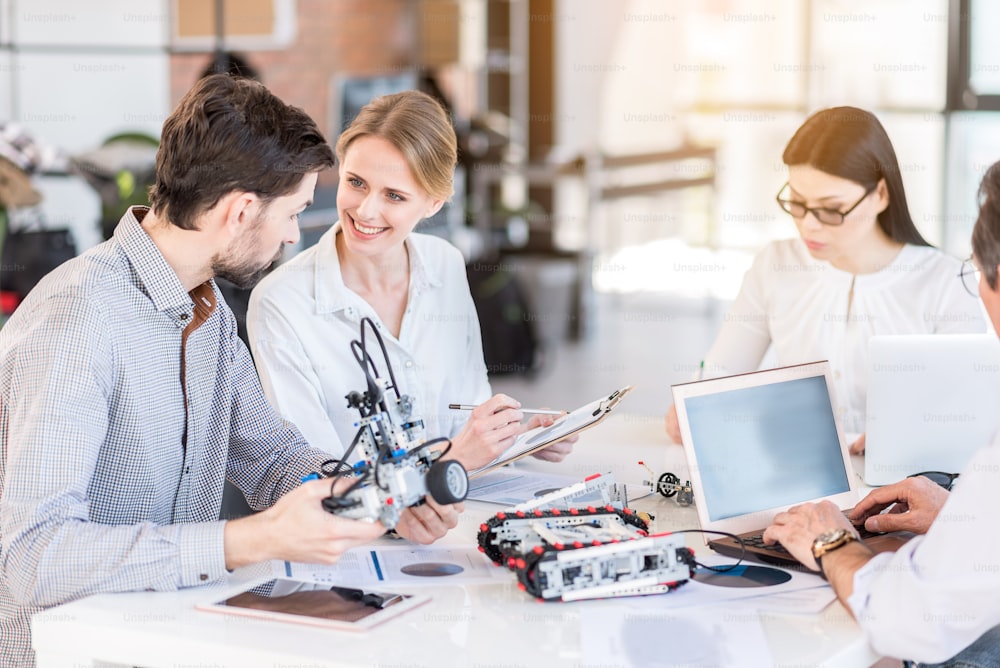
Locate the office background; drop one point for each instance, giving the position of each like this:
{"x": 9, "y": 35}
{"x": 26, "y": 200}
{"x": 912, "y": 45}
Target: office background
{"x": 621, "y": 158}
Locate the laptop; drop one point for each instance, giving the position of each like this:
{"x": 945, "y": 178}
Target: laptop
{"x": 932, "y": 403}
{"x": 759, "y": 443}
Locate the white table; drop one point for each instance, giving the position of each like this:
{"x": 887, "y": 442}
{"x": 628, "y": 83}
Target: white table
{"x": 484, "y": 625}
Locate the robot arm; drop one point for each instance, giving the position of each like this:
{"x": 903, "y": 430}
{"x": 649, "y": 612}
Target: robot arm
{"x": 396, "y": 468}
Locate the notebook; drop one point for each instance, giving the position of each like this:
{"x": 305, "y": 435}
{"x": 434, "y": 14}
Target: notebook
{"x": 759, "y": 443}
{"x": 932, "y": 403}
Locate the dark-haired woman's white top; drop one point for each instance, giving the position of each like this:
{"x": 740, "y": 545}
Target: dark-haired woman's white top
{"x": 805, "y": 309}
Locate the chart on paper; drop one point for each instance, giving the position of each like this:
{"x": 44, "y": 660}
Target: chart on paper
{"x": 400, "y": 565}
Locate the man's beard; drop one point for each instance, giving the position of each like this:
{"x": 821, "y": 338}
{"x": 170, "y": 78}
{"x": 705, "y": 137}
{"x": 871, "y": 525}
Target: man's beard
{"x": 234, "y": 265}
{"x": 243, "y": 275}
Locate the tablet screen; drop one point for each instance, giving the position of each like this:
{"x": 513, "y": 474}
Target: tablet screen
{"x": 318, "y": 604}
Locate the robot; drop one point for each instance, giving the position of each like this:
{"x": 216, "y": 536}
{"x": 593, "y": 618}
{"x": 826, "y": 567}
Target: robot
{"x": 669, "y": 485}
{"x": 562, "y": 551}
{"x": 397, "y": 469}
{"x": 554, "y": 520}
{"x": 653, "y": 565}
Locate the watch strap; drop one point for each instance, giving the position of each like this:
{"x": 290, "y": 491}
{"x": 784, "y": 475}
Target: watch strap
{"x": 846, "y": 538}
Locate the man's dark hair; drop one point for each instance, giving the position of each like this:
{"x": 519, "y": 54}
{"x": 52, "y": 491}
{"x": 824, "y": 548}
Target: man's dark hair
{"x": 233, "y": 64}
{"x": 230, "y": 134}
{"x": 851, "y": 143}
{"x": 986, "y": 233}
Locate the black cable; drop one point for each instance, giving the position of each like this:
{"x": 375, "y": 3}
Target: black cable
{"x": 423, "y": 445}
{"x": 434, "y": 441}
{"x": 384, "y": 452}
{"x": 385, "y": 355}
{"x": 332, "y": 467}
{"x": 386, "y": 443}
{"x": 366, "y": 362}
{"x": 718, "y": 569}
{"x": 342, "y": 465}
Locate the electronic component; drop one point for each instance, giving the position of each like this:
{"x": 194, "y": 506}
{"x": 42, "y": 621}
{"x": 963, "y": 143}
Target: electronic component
{"x": 652, "y": 565}
{"x": 553, "y": 519}
{"x": 598, "y": 484}
{"x": 562, "y": 551}
{"x": 669, "y": 485}
{"x": 514, "y": 533}
{"x": 397, "y": 468}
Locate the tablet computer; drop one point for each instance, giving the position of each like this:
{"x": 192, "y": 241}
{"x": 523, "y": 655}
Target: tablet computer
{"x": 317, "y": 604}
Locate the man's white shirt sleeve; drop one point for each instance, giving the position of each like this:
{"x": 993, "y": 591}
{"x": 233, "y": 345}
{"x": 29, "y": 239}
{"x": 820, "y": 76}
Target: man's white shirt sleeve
{"x": 940, "y": 592}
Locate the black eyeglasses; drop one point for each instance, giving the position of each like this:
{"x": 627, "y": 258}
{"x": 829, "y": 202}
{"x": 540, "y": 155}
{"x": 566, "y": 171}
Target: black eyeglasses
{"x": 970, "y": 277}
{"x": 946, "y": 480}
{"x": 825, "y": 216}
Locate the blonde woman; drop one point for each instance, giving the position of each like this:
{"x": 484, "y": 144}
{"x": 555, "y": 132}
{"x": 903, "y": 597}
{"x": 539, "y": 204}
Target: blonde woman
{"x": 396, "y": 163}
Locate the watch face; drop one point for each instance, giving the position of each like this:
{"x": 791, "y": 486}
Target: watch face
{"x": 829, "y": 540}
{"x": 829, "y": 536}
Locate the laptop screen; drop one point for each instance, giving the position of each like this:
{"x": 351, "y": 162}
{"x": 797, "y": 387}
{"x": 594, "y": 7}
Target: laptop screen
{"x": 932, "y": 402}
{"x": 766, "y": 446}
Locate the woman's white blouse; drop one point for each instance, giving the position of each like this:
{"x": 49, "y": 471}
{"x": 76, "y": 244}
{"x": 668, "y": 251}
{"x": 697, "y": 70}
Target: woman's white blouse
{"x": 302, "y": 319}
{"x": 803, "y": 308}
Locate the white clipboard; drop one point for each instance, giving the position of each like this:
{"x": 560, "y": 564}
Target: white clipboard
{"x": 539, "y": 438}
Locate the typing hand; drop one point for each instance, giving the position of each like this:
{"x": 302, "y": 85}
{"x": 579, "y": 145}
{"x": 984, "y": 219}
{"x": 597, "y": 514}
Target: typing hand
{"x": 799, "y": 526}
{"x": 912, "y": 504}
{"x": 858, "y": 446}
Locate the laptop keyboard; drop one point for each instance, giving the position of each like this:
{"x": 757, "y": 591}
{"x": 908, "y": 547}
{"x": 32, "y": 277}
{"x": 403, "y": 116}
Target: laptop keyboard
{"x": 863, "y": 533}
{"x": 757, "y": 540}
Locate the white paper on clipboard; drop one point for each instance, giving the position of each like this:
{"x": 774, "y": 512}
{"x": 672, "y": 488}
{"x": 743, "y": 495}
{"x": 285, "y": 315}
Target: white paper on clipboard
{"x": 536, "y": 439}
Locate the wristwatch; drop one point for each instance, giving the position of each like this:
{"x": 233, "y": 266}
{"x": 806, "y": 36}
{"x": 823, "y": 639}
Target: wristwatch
{"x": 830, "y": 540}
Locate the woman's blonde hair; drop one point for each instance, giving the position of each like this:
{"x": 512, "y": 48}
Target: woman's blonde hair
{"x": 418, "y": 126}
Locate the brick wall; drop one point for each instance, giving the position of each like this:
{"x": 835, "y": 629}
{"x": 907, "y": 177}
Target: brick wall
{"x": 350, "y": 37}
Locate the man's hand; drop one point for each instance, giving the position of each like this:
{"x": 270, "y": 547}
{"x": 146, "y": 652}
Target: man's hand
{"x": 858, "y": 446}
{"x": 297, "y": 528}
{"x": 557, "y": 451}
{"x": 913, "y": 504}
{"x": 491, "y": 429}
{"x": 429, "y": 521}
{"x": 799, "y": 526}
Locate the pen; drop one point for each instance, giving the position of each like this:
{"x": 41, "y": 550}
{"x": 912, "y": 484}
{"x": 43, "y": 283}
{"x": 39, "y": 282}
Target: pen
{"x": 701, "y": 370}
{"x": 527, "y": 411}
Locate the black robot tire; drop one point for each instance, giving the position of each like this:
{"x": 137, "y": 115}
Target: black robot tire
{"x": 447, "y": 482}
{"x": 665, "y": 480}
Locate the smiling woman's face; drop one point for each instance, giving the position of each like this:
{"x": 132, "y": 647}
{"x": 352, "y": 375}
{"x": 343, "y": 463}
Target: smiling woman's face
{"x": 378, "y": 199}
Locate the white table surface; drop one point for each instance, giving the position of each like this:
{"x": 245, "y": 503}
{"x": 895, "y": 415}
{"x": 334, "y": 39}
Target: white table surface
{"x": 463, "y": 625}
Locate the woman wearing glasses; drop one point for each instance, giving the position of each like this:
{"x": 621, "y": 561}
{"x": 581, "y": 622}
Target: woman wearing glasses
{"x": 859, "y": 267}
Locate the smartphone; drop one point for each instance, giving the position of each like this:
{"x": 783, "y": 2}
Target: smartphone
{"x": 316, "y": 604}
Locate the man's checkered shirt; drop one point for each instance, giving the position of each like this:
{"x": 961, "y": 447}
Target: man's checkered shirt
{"x": 107, "y": 482}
